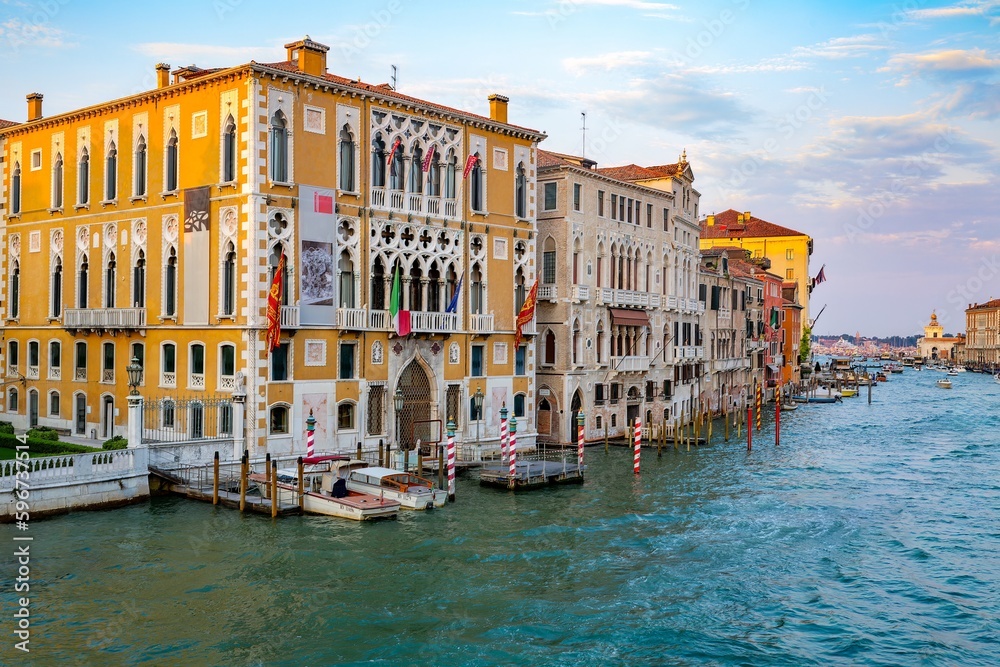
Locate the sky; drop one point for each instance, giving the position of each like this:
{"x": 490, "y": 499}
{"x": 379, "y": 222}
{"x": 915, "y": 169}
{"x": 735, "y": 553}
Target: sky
{"x": 870, "y": 126}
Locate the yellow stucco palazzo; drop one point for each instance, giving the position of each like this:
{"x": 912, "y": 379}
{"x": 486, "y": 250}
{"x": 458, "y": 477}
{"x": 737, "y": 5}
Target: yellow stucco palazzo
{"x": 151, "y": 226}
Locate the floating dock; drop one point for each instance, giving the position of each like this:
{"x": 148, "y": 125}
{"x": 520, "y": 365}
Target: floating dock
{"x": 531, "y": 474}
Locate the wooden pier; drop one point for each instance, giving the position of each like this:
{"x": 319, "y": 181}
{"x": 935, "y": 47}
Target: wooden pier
{"x": 530, "y": 474}
{"x": 202, "y": 482}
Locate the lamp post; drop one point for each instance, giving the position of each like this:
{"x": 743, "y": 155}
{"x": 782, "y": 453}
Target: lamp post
{"x": 397, "y": 402}
{"x": 134, "y": 371}
{"x": 133, "y": 428}
{"x": 477, "y": 402}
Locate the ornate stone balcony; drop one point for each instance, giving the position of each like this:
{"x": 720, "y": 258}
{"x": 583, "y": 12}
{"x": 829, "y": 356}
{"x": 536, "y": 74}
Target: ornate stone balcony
{"x": 481, "y": 324}
{"x": 630, "y": 364}
{"x": 289, "y": 317}
{"x": 104, "y": 319}
{"x": 414, "y": 203}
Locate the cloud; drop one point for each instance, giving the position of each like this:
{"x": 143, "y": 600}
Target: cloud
{"x": 976, "y": 99}
{"x": 17, "y": 33}
{"x": 208, "y": 53}
{"x": 606, "y": 61}
{"x": 679, "y": 101}
{"x": 962, "y": 9}
{"x": 841, "y": 47}
{"x": 946, "y": 66}
{"x": 971, "y": 79}
{"x": 564, "y": 8}
{"x": 641, "y": 5}
{"x": 778, "y": 64}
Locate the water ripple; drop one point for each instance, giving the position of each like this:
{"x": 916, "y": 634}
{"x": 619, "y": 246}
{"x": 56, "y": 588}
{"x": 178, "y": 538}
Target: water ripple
{"x": 869, "y": 537}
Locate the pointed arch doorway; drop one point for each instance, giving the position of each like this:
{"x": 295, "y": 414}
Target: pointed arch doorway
{"x": 576, "y": 405}
{"x": 416, "y": 387}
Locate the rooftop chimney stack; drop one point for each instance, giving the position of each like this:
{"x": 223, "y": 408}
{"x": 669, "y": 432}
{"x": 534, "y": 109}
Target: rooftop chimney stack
{"x": 308, "y": 56}
{"x": 746, "y": 217}
{"x": 498, "y": 107}
{"x": 34, "y": 106}
{"x": 711, "y": 221}
{"x": 162, "y": 75}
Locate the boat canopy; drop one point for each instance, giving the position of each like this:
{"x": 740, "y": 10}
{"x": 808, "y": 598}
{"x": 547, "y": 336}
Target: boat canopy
{"x": 310, "y": 460}
{"x": 379, "y": 473}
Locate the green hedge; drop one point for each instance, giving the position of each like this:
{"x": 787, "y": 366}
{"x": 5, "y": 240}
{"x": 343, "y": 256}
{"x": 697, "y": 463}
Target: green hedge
{"x": 43, "y": 433}
{"x": 6, "y": 427}
{"x": 117, "y": 442}
{"x": 36, "y": 446}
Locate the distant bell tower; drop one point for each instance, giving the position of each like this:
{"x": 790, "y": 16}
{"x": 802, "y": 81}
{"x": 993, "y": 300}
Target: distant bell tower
{"x": 857, "y": 338}
{"x": 933, "y": 330}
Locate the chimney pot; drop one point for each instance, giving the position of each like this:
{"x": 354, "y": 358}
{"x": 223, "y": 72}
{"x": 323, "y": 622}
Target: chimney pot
{"x": 498, "y": 107}
{"x": 34, "y": 106}
{"x": 711, "y": 221}
{"x": 308, "y": 56}
{"x": 162, "y": 75}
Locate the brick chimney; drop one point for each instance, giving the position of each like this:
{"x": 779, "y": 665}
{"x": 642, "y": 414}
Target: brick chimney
{"x": 309, "y": 56}
{"x": 498, "y": 107}
{"x": 710, "y": 221}
{"x": 162, "y": 75}
{"x": 34, "y": 106}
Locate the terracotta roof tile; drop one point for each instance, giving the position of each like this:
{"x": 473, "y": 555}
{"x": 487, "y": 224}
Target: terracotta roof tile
{"x": 664, "y": 170}
{"x": 385, "y": 89}
{"x": 633, "y": 172}
{"x": 629, "y": 172}
{"x": 994, "y": 303}
{"x": 726, "y": 226}
{"x": 550, "y": 159}
{"x": 7, "y": 123}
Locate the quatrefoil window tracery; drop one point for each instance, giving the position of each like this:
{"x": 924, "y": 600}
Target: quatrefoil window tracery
{"x": 388, "y": 234}
{"x": 406, "y": 236}
{"x": 278, "y": 226}
{"x": 345, "y": 230}
{"x": 477, "y": 246}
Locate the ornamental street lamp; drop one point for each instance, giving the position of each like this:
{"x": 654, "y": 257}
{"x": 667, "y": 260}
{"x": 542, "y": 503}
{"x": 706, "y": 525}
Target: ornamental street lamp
{"x": 397, "y": 402}
{"x": 477, "y": 403}
{"x": 134, "y": 371}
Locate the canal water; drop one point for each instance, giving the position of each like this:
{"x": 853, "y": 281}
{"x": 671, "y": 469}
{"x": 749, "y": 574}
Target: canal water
{"x": 871, "y": 536}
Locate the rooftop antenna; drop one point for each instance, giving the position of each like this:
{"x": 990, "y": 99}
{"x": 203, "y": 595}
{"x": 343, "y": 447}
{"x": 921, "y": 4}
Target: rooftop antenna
{"x": 393, "y": 77}
{"x": 583, "y": 115}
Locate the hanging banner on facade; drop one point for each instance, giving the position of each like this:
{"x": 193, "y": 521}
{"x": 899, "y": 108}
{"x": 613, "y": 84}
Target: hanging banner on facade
{"x": 317, "y": 257}
{"x": 196, "y": 261}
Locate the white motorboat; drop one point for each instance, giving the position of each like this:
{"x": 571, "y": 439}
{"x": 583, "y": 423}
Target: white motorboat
{"x": 944, "y": 383}
{"x": 327, "y": 493}
{"x": 409, "y": 490}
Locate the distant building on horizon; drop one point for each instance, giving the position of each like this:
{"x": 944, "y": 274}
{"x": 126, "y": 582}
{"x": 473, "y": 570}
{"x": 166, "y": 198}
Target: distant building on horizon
{"x": 935, "y": 345}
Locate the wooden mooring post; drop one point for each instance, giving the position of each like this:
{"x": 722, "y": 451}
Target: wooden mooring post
{"x": 215, "y": 479}
{"x": 302, "y": 491}
{"x": 440, "y": 466}
{"x": 381, "y": 454}
{"x": 274, "y": 489}
{"x": 244, "y": 471}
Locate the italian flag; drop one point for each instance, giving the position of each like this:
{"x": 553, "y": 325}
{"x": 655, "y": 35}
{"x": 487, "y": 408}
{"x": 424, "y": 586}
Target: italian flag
{"x": 400, "y": 318}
